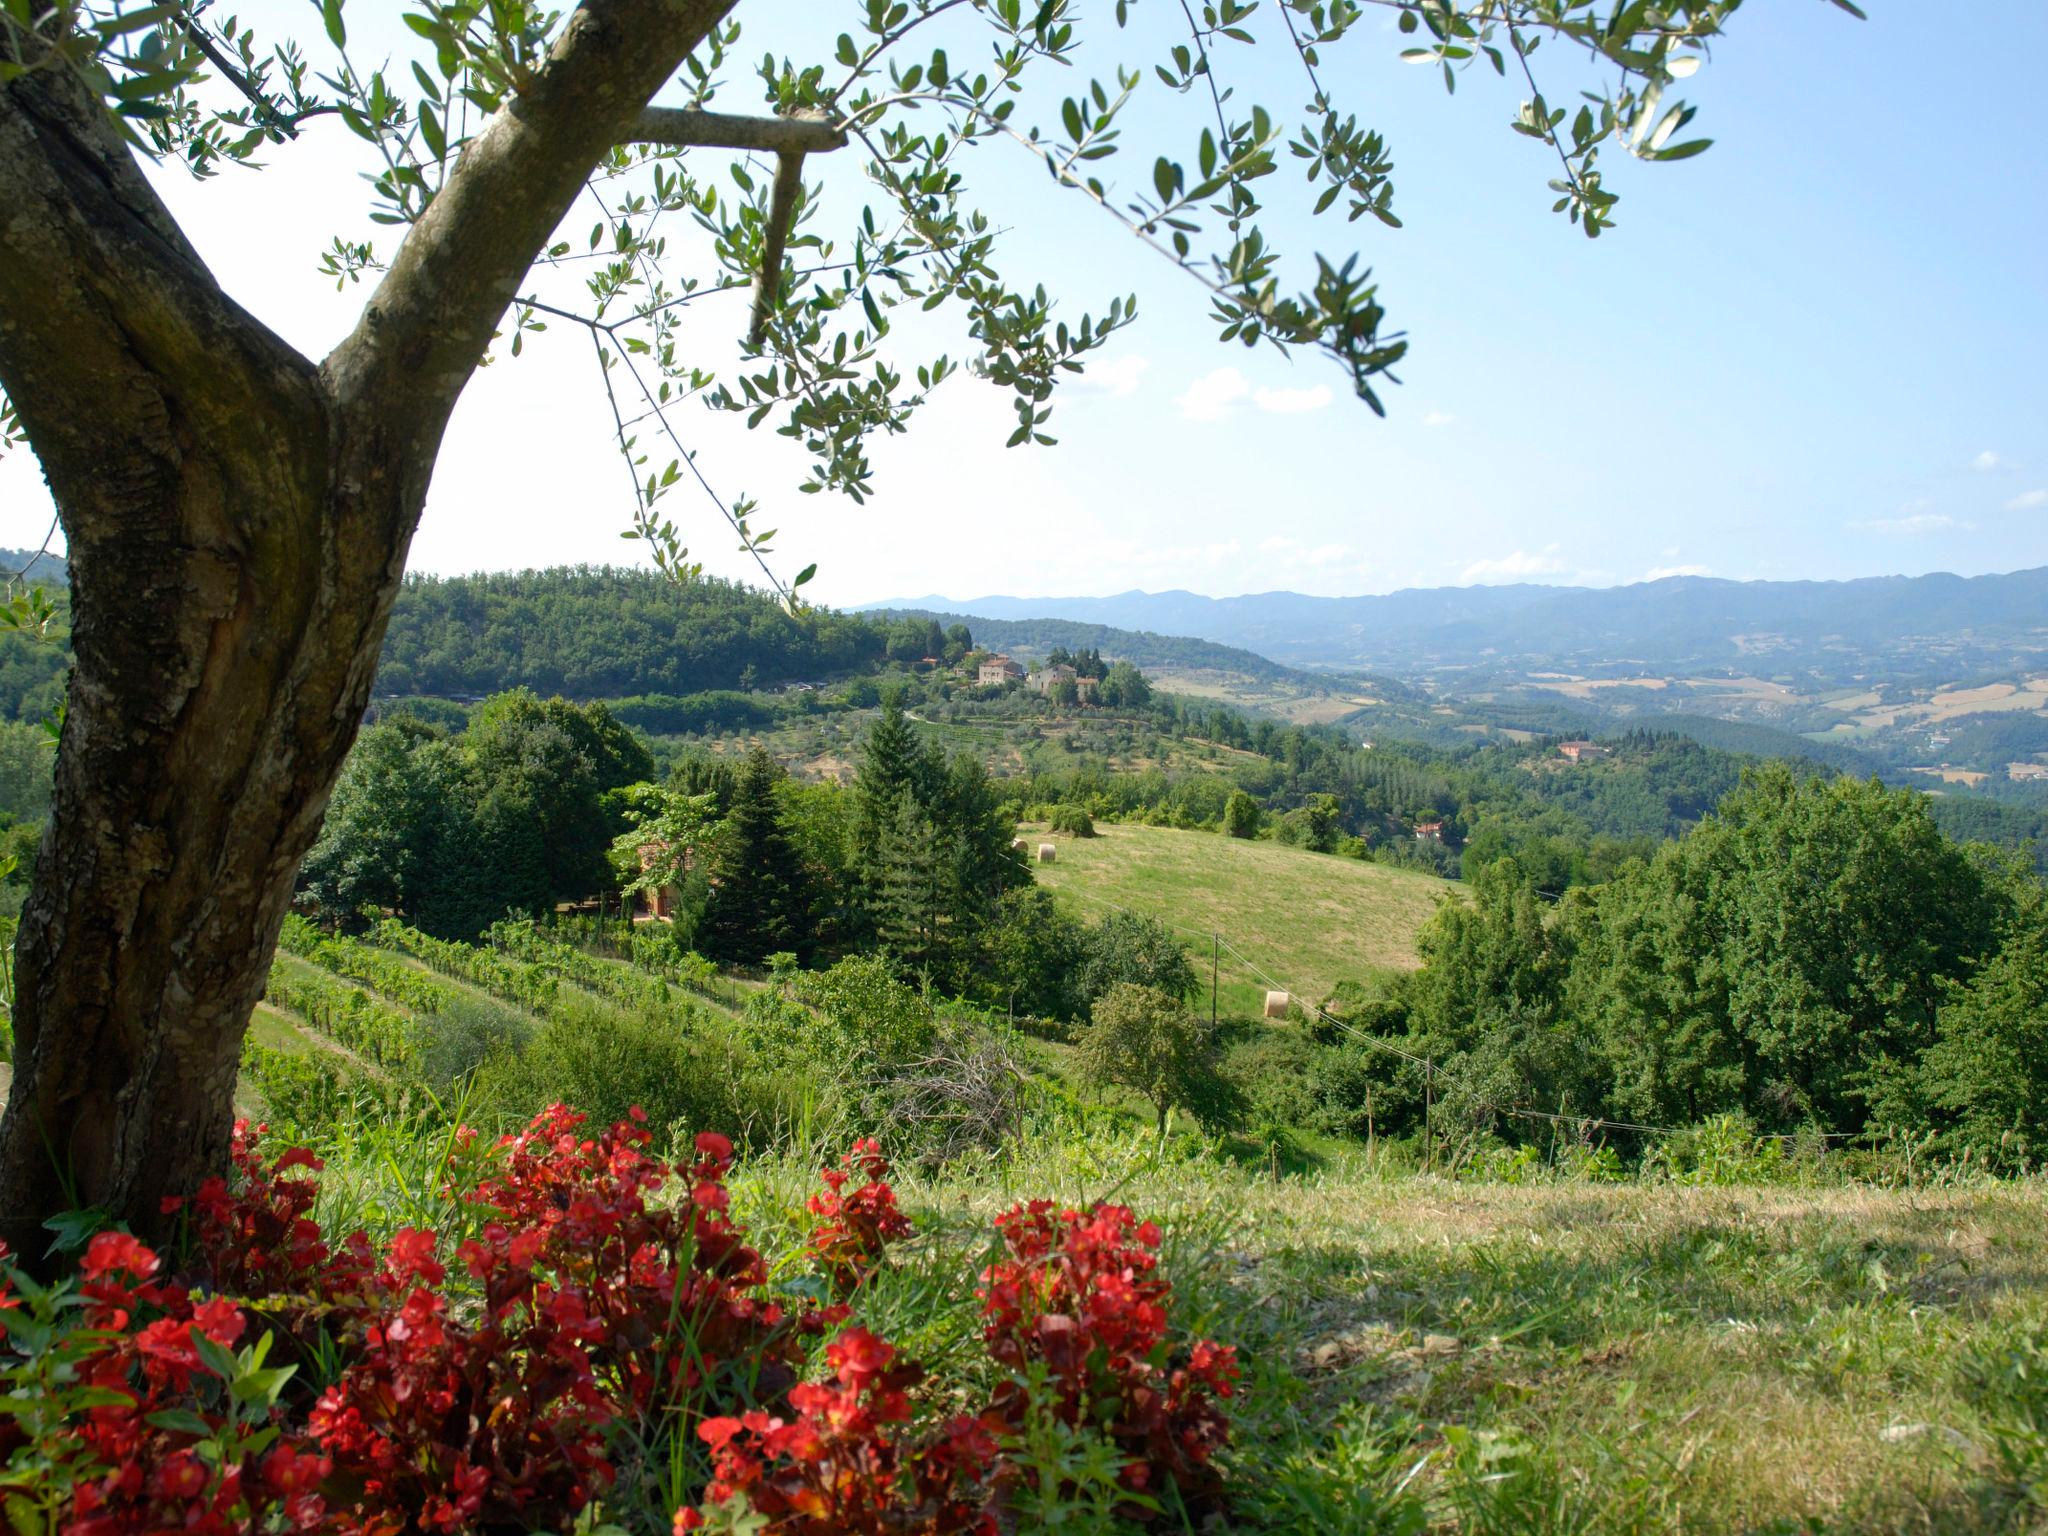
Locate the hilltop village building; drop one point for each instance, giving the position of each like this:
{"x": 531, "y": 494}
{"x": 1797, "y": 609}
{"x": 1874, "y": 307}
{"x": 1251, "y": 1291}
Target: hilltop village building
{"x": 998, "y": 670}
{"x": 1580, "y": 751}
{"x": 1046, "y": 678}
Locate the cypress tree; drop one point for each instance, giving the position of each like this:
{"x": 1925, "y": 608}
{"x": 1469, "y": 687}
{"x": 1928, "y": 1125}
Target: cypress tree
{"x": 760, "y": 888}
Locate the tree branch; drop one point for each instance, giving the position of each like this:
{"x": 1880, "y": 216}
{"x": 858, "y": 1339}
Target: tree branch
{"x": 688, "y": 127}
{"x": 788, "y": 138}
{"x": 431, "y": 318}
{"x": 789, "y": 181}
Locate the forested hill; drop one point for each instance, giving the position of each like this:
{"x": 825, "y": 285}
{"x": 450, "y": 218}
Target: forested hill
{"x": 591, "y": 632}
{"x": 599, "y": 632}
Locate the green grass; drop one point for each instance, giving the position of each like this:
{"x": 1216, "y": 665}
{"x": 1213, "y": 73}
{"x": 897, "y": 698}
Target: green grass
{"x": 1578, "y": 1358}
{"x": 1423, "y": 1355}
{"x": 1309, "y": 920}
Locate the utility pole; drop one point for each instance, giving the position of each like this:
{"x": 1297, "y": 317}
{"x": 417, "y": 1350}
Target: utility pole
{"x": 1428, "y": 1116}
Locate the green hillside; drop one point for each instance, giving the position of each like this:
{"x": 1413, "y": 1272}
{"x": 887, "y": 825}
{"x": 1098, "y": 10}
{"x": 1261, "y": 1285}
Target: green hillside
{"x": 1307, "y": 920}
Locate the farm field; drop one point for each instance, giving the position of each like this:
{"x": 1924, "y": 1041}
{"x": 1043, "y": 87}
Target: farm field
{"x": 1309, "y": 920}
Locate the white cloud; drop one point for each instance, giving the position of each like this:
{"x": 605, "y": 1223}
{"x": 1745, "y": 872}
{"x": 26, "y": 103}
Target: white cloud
{"x": 1986, "y": 460}
{"x": 1438, "y": 419}
{"x": 1211, "y": 396}
{"x": 1514, "y": 567}
{"x": 1913, "y": 524}
{"x": 2026, "y": 501}
{"x": 1116, "y": 377}
{"x": 1214, "y": 394}
{"x": 1291, "y": 402}
{"x": 1665, "y": 572}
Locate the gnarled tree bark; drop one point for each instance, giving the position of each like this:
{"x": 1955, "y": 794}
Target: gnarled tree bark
{"x": 238, "y": 520}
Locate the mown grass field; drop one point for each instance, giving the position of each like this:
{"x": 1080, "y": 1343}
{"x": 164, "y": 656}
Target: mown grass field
{"x": 1310, "y": 920}
{"x": 1430, "y": 1355}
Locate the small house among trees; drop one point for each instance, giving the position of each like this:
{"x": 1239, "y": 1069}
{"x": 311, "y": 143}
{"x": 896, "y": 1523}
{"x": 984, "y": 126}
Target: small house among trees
{"x": 1580, "y": 751}
{"x": 997, "y": 672}
{"x": 1429, "y": 831}
{"x": 1046, "y": 678}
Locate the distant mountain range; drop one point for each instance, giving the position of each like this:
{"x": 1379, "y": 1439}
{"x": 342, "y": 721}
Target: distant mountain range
{"x": 1898, "y": 624}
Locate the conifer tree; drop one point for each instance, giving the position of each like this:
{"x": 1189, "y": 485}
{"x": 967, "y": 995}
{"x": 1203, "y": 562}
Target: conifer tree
{"x": 760, "y": 888}
{"x": 894, "y": 763}
{"x": 913, "y": 894}
{"x": 979, "y": 836}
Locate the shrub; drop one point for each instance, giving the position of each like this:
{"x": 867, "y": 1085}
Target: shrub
{"x": 1077, "y": 1314}
{"x": 1073, "y": 820}
{"x": 1143, "y": 951}
{"x": 1242, "y": 815}
{"x": 560, "y": 1374}
{"x": 1722, "y": 1149}
{"x": 614, "y": 1061}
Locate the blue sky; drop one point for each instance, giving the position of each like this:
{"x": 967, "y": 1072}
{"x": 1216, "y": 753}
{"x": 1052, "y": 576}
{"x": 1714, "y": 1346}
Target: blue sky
{"x": 1816, "y": 351}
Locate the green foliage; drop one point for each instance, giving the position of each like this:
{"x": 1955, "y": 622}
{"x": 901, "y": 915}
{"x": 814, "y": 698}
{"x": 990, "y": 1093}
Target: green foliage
{"x": 1241, "y": 815}
{"x": 1144, "y": 1039}
{"x": 1314, "y": 825}
{"x": 931, "y": 842}
{"x": 350, "y": 1016}
{"x": 26, "y": 760}
{"x": 687, "y": 1075}
{"x": 1720, "y": 1150}
{"x": 1775, "y": 957}
{"x": 304, "y": 1093}
{"x": 453, "y": 833}
{"x": 1124, "y": 687}
{"x": 761, "y": 898}
{"x": 598, "y": 632}
{"x": 1036, "y": 950}
{"x": 1487, "y": 1006}
{"x": 1985, "y": 1076}
{"x": 1071, "y": 821}
{"x": 1125, "y": 949}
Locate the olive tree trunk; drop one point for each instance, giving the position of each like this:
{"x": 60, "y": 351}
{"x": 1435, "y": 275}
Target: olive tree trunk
{"x": 237, "y": 520}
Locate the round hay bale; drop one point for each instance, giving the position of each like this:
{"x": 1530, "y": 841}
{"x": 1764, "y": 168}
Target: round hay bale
{"x": 1018, "y": 845}
{"x": 1276, "y": 1005}
{"x": 1047, "y": 852}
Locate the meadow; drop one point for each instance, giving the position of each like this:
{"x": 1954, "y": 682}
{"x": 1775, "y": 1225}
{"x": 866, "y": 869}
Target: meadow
{"x": 1525, "y": 1354}
{"x": 1307, "y": 920}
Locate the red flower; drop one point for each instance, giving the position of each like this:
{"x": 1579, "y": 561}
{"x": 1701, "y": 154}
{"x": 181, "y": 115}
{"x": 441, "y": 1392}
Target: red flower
{"x": 1080, "y": 1298}
{"x": 112, "y": 1252}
